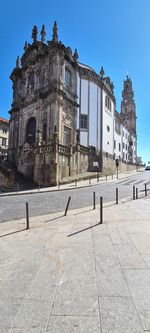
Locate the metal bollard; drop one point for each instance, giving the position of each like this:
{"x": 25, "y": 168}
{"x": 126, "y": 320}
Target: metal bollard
{"x": 89, "y": 181}
{"x": 112, "y": 176}
{"x": 136, "y": 193}
{"x": 106, "y": 177}
{"x": 27, "y": 215}
{"x": 97, "y": 178}
{"x": 133, "y": 192}
{"x": 67, "y": 206}
{"x": 116, "y": 196}
{"x": 93, "y": 200}
{"x": 101, "y": 210}
{"x": 146, "y": 190}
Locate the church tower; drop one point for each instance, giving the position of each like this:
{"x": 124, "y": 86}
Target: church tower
{"x": 128, "y": 108}
{"x": 128, "y": 115}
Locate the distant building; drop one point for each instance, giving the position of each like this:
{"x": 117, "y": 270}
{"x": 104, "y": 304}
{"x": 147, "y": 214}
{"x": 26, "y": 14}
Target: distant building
{"x": 63, "y": 116}
{"x": 4, "y": 135}
{"x": 139, "y": 160}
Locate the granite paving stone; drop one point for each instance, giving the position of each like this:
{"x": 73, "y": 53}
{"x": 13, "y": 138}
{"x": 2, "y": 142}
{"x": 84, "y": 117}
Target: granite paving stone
{"x": 139, "y": 285}
{"x": 110, "y": 278}
{"x": 146, "y": 258}
{"x": 27, "y": 330}
{"x": 18, "y": 282}
{"x": 118, "y": 315}
{"x": 67, "y": 274}
{"x": 115, "y": 237}
{"x": 8, "y": 309}
{"x": 60, "y": 240}
{"x": 32, "y": 314}
{"x": 76, "y": 298}
{"x": 103, "y": 245}
{"x": 141, "y": 242}
{"x": 129, "y": 257}
{"x": 79, "y": 264}
{"x": 44, "y": 285}
{"x": 124, "y": 235}
{"x": 74, "y": 324}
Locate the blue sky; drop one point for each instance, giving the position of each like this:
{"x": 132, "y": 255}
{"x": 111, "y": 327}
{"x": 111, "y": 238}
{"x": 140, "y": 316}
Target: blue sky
{"x": 112, "y": 33}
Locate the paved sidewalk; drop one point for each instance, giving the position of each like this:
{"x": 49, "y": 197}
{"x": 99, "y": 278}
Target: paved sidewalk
{"x": 73, "y": 275}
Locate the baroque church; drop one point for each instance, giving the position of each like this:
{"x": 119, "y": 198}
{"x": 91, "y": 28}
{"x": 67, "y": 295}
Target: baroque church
{"x": 63, "y": 119}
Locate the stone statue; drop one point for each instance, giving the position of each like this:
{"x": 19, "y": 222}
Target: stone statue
{"x": 75, "y": 56}
{"x": 78, "y": 136}
{"x": 18, "y": 62}
{"x": 55, "y": 33}
{"x": 102, "y": 73}
{"x": 43, "y": 34}
{"x": 34, "y": 34}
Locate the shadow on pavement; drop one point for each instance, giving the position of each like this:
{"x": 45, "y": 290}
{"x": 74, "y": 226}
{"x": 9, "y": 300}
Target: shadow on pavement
{"x": 55, "y": 218}
{"x": 84, "y": 211}
{"x": 77, "y": 232}
{"x": 13, "y": 232}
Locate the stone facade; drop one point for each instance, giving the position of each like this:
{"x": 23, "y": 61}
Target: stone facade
{"x": 44, "y": 103}
{"x": 7, "y": 177}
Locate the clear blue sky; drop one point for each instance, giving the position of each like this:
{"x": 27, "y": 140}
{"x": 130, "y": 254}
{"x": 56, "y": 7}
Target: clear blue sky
{"x": 112, "y": 33}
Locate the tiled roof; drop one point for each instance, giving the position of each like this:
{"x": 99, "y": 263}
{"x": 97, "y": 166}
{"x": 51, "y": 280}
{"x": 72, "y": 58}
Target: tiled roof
{"x": 4, "y": 121}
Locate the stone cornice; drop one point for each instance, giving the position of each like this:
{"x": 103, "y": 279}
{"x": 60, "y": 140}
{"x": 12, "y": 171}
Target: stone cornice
{"x": 89, "y": 74}
{"x": 43, "y": 95}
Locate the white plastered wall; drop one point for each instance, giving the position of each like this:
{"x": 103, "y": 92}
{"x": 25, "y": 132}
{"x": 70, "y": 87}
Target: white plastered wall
{"x": 108, "y": 120}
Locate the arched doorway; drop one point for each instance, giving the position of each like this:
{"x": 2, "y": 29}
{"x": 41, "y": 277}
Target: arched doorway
{"x": 31, "y": 131}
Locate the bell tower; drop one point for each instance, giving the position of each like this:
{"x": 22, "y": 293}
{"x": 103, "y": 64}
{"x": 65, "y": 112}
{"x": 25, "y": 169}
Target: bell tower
{"x": 128, "y": 108}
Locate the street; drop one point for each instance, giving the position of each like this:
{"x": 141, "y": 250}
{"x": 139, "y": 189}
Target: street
{"x": 40, "y": 203}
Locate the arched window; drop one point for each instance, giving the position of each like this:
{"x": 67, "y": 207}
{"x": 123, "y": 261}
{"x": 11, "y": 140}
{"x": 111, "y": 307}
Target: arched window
{"x": 31, "y": 130}
{"x": 44, "y": 130}
{"x": 108, "y": 103}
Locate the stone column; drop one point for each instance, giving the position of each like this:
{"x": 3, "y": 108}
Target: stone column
{"x": 78, "y": 158}
{"x": 71, "y": 169}
{"x": 54, "y": 160}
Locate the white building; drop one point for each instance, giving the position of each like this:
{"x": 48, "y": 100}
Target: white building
{"x": 4, "y": 134}
{"x": 100, "y": 125}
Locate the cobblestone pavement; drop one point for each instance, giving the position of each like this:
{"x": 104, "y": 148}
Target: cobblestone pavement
{"x": 41, "y": 203}
{"x": 70, "y": 274}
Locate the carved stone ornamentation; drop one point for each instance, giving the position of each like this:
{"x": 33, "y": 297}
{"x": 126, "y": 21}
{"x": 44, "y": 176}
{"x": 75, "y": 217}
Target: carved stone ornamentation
{"x": 75, "y": 56}
{"x": 34, "y": 34}
{"x": 55, "y": 33}
{"x": 102, "y": 73}
{"x": 41, "y": 95}
{"x": 43, "y": 34}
